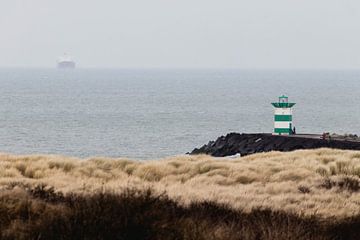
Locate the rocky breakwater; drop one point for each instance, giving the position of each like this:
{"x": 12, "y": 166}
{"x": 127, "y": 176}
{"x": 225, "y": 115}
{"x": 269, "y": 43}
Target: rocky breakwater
{"x": 245, "y": 144}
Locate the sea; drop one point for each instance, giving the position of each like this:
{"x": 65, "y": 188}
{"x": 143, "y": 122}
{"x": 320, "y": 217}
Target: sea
{"x": 155, "y": 113}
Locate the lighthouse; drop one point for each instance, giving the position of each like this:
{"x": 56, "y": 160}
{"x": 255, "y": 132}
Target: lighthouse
{"x": 283, "y": 116}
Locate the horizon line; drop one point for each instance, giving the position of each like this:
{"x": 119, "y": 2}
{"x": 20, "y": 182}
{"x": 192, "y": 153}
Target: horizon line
{"x": 184, "y": 68}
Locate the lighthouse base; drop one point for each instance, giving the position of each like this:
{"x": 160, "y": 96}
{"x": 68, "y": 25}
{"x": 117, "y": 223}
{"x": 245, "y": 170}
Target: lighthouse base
{"x": 283, "y": 131}
{"x": 281, "y": 134}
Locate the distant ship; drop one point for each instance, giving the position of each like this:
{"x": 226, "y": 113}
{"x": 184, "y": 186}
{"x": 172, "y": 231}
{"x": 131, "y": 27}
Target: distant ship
{"x": 65, "y": 62}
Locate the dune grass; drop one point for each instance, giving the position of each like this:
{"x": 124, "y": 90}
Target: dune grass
{"x": 40, "y": 213}
{"x": 315, "y": 193}
{"x": 323, "y": 182}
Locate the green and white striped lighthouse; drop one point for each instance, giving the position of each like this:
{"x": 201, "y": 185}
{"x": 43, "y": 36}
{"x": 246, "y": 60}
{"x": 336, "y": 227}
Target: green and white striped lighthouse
{"x": 283, "y": 116}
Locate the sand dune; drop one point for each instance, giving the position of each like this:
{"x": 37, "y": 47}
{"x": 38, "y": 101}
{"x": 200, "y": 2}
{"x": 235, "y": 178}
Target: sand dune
{"x": 323, "y": 182}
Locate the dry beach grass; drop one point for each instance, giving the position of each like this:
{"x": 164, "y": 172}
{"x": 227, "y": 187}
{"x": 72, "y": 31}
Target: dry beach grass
{"x": 324, "y": 181}
{"x": 308, "y": 187}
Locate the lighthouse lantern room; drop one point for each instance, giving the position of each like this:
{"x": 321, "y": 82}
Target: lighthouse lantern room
{"x": 283, "y": 117}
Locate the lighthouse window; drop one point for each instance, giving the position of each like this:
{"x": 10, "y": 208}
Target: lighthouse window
{"x": 283, "y": 100}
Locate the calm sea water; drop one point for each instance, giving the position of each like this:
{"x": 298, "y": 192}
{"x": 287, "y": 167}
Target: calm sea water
{"x": 148, "y": 114}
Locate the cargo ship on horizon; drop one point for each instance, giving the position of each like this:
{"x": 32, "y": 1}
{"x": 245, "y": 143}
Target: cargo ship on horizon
{"x": 65, "y": 62}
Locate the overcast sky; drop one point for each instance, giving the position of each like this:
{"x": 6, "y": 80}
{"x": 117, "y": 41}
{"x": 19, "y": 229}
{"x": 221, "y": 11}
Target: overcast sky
{"x": 181, "y": 33}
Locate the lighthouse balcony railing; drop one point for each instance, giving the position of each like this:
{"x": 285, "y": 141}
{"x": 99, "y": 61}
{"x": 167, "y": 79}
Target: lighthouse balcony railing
{"x": 283, "y": 105}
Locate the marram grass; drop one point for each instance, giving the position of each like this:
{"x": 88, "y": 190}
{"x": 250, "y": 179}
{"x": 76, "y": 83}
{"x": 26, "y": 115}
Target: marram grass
{"x": 319, "y": 182}
{"x": 302, "y": 195}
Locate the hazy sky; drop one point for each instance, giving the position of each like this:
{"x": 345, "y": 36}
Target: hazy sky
{"x": 181, "y": 33}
